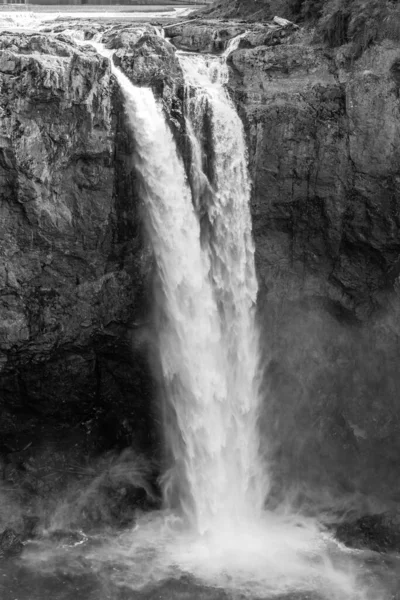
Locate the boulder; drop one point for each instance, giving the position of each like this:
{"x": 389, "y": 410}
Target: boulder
{"x": 10, "y": 544}
{"x": 203, "y": 36}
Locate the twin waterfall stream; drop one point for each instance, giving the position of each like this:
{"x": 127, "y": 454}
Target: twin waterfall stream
{"x": 206, "y": 298}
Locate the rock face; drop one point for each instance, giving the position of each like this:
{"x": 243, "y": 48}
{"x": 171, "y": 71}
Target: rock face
{"x": 203, "y": 36}
{"x": 150, "y": 60}
{"x": 73, "y": 263}
{"x": 213, "y": 36}
{"x": 323, "y": 139}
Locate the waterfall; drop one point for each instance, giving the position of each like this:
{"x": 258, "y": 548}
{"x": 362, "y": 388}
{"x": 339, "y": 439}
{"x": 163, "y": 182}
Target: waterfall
{"x": 200, "y": 229}
{"x": 221, "y": 193}
{"x": 207, "y": 291}
{"x": 217, "y": 534}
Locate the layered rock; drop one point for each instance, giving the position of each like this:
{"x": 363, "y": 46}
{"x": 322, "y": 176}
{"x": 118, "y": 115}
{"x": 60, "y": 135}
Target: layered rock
{"x": 323, "y": 153}
{"x": 150, "y": 60}
{"x": 203, "y": 36}
{"x": 213, "y": 36}
{"x": 73, "y": 263}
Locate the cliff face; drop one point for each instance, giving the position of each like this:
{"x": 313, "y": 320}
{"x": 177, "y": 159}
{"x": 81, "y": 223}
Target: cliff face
{"x": 73, "y": 264}
{"x": 324, "y": 148}
{"x": 322, "y": 132}
{"x": 75, "y": 268}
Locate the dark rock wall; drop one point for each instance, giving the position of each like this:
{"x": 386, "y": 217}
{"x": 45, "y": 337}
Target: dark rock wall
{"x": 74, "y": 268}
{"x": 323, "y": 152}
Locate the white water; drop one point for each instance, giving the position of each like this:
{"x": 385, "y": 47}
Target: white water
{"x": 222, "y": 197}
{"x": 206, "y": 331}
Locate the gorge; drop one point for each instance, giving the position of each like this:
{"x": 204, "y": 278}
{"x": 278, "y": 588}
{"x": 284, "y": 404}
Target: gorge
{"x": 101, "y": 301}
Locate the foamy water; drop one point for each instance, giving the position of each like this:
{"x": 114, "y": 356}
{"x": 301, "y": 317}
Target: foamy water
{"x": 275, "y": 556}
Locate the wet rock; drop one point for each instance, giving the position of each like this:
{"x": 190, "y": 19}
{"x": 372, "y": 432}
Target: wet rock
{"x": 77, "y": 28}
{"x": 115, "y": 507}
{"x": 149, "y": 61}
{"x": 10, "y": 544}
{"x": 209, "y": 36}
{"x": 127, "y": 36}
{"x": 323, "y": 147}
{"x": 380, "y": 533}
{"x": 30, "y": 526}
{"x": 213, "y": 36}
{"x": 73, "y": 261}
{"x": 110, "y": 491}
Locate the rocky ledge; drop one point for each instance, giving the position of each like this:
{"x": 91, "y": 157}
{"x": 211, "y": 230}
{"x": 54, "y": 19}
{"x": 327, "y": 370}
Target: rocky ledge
{"x": 213, "y": 36}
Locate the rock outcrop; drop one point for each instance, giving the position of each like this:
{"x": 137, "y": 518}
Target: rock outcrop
{"x": 150, "y": 60}
{"x": 73, "y": 263}
{"x": 213, "y": 36}
{"x": 203, "y": 36}
{"x": 323, "y": 153}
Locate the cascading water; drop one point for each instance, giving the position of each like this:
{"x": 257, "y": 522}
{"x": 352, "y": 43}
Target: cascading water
{"x": 200, "y": 230}
{"x": 224, "y": 471}
{"x": 207, "y": 337}
{"x": 221, "y": 193}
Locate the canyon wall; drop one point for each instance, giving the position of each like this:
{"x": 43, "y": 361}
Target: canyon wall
{"x": 323, "y": 135}
{"x": 74, "y": 266}
{"x": 76, "y": 269}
